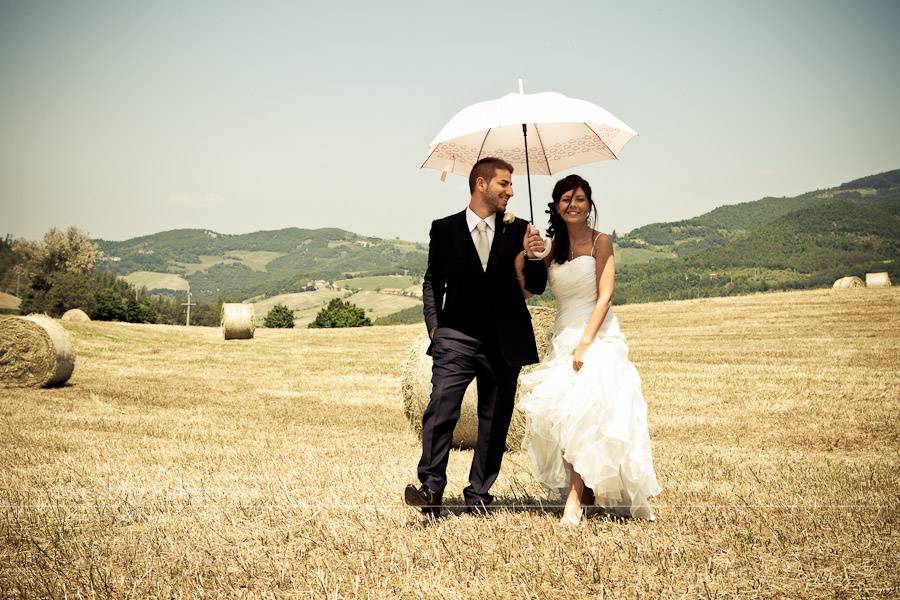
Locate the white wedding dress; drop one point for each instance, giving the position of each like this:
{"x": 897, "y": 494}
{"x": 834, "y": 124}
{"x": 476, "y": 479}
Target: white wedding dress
{"x": 596, "y": 418}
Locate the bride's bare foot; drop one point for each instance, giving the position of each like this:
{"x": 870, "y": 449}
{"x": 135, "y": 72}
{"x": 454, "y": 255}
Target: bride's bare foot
{"x": 572, "y": 513}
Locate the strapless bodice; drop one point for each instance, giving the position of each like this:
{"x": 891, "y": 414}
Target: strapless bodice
{"x": 574, "y": 284}
{"x": 575, "y": 281}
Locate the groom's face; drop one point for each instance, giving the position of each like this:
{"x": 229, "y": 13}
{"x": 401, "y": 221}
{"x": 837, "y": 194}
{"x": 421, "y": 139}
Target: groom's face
{"x": 499, "y": 190}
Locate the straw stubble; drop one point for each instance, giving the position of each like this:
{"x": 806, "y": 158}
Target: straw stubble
{"x": 179, "y": 466}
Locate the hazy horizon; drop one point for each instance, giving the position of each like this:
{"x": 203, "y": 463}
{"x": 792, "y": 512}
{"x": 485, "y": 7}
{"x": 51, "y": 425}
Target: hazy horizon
{"x": 128, "y": 120}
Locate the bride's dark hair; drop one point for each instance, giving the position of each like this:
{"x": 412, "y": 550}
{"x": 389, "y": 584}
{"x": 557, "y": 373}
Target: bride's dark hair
{"x": 558, "y": 230}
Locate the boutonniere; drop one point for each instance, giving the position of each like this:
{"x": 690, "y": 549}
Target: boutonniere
{"x": 508, "y": 217}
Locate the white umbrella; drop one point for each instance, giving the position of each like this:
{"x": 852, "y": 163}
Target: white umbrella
{"x": 565, "y": 133}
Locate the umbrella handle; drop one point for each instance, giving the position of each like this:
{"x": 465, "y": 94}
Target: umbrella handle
{"x": 547, "y": 247}
{"x": 528, "y": 172}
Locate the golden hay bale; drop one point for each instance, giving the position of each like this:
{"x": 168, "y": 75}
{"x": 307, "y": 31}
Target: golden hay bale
{"x": 848, "y": 282}
{"x": 237, "y": 321}
{"x": 416, "y": 387}
{"x": 878, "y": 280}
{"x": 35, "y": 351}
{"x": 75, "y": 314}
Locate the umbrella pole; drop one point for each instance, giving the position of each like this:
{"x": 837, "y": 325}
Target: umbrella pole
{"x": 528, "y": 170}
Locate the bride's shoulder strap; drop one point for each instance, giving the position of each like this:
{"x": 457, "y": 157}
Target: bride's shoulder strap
{"x": 594, "y": 245}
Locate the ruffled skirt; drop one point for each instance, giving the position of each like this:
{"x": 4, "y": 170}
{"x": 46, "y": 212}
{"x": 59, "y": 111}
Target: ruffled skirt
{"x": 594, "y": 419}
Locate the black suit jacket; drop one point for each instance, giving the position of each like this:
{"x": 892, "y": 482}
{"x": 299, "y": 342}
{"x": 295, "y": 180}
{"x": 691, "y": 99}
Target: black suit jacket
{"x": 487, "y": 305}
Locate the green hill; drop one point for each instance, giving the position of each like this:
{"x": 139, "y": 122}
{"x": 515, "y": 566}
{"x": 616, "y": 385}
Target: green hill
{"x": 839, "y": 235}
{"x": 810, "y": 247}
{"x": 735, "y": 221}
{"x": 885, "y": 180}
{"x": 262, "y": 263}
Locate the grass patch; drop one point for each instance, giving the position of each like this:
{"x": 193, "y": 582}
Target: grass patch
{"x": 254, "y": 259}
{"x": 157, "y": 281}
{"x": 376, "y": 282}
{"x": 9, "y": 302}
{"x": 381, "y": 305}
{"x": 407, "y": 316}
{"x": 634, "y": 256}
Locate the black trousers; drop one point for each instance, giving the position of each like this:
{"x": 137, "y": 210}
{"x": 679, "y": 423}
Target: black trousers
{"x": 458, "y": 358}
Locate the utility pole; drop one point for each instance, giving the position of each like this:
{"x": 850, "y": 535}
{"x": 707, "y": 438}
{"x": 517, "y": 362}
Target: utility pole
{"x": 189, "y": 304}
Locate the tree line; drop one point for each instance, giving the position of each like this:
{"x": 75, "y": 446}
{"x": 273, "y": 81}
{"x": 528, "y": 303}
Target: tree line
{"x": 59, "y": 273}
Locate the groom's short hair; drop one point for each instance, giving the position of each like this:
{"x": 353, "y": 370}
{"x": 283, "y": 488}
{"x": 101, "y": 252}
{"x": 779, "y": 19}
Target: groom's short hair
{"x": 486, "y": 169}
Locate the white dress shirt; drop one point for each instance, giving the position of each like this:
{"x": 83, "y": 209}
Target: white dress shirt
{"x": 472, "y": 221}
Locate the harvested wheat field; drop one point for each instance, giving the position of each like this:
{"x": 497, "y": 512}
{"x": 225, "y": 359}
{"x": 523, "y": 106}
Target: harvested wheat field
{"x": 176, "y": 464}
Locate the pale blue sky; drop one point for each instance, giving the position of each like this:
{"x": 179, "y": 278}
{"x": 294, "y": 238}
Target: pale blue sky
{"x": 127, "y": 118}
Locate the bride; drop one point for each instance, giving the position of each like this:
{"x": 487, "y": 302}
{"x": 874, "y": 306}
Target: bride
{"x": 586, "y": 419}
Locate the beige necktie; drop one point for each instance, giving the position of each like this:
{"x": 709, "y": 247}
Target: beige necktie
{"x": 482, "y": 245}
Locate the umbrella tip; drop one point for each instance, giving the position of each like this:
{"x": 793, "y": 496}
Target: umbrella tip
{"x": 521, "y": 87}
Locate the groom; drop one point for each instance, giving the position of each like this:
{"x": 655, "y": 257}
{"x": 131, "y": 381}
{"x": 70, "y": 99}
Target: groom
{"x": 479, "y": 327}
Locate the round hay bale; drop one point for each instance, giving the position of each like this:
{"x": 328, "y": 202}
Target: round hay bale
{"x": 878, "y": 280}
{"x": 416, "y": 387}
{"x": 35, "y": 351}
{"x": 848, "y": 282}
{"x": 75, "y": 314}
{"x": 237, "y": 321}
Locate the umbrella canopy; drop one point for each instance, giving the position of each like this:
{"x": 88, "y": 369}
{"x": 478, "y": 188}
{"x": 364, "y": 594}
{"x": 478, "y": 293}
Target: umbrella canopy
{"x": 563, "y": 133}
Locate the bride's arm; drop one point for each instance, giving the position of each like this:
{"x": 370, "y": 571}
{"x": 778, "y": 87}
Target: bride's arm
{"x": 520, "y": 274}
{"x": 605, "y": 265}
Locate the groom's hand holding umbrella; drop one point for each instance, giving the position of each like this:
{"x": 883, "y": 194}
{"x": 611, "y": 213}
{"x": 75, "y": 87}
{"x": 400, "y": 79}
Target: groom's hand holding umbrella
{"x": 533, "y": 243}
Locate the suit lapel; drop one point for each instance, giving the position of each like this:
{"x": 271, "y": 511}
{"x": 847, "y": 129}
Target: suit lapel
{"x": 499, "y": 238}
{"x": 468, "y": 243}
{"x": 501, "y": 234}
